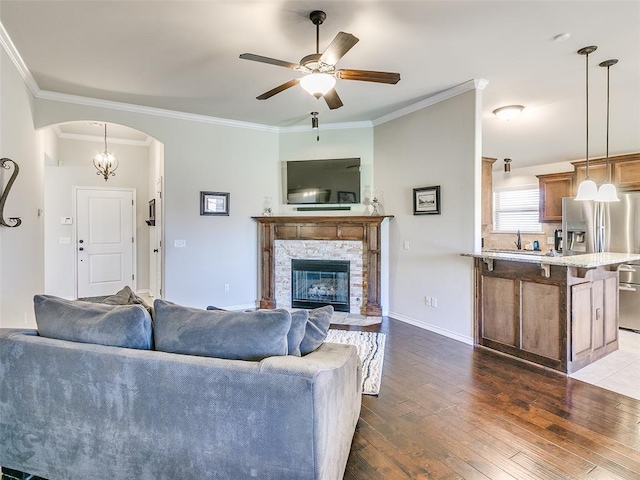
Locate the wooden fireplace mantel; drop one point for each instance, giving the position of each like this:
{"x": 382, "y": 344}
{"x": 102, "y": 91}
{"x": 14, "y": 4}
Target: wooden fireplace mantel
{"x": 360, "y": 228}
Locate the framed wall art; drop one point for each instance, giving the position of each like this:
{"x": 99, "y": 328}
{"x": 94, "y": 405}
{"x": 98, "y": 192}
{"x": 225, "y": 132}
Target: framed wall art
{"x": 426, "y": 201}
{"x": 214, "y": 203}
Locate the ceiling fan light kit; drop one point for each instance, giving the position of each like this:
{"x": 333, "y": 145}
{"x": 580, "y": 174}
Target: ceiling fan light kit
{"x": 319, "y": 69}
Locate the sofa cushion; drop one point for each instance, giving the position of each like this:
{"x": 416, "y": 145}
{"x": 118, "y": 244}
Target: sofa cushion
{"x": 118, "y": 326}
{"x": 218, "y": 333}
{"x": 317, "y": 328}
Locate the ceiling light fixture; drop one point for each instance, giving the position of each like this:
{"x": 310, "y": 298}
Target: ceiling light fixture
{"x": 561, "y": 37}
{"x": 317, "y": 84}
{"x": 105, "y": 162}
{"x": 509, "y": 112}
{"x": 507, "y": 165}
{"x": 587, "y": 190}
{"x": 607, "y": 191}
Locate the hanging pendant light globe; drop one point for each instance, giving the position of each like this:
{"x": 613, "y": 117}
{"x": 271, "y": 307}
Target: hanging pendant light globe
{"x": 607, "y": 192}
{"x": 587, "y": 190}
{"x": 317, "y": 84}
{"x": 105, "y": 162}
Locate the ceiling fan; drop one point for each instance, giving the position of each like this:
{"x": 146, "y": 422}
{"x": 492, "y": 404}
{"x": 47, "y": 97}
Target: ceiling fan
{"x": 319, "y": 69}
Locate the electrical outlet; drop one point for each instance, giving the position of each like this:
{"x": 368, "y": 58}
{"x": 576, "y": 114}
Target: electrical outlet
{"x": 226, "y": 287}
{"x": 434, "y": 302}
{"x": 427, "y": 301}
{"x": 179, "y": 243}
{"x": 406, "y": 244}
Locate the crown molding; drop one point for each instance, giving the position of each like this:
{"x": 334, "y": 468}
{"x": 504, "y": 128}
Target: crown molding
{"x": 328, "y": 126}
{"x": 158, "y": 112}
{"x": 15, "y": 57}
{"x": 476, "y": 84}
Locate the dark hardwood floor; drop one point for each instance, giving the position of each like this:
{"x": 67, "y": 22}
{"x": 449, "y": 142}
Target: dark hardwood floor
{"x": 448, "y": 411}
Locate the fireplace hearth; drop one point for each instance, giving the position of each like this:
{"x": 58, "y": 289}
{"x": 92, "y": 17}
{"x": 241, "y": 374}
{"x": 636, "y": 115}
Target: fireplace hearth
{"x": 316, "y": 283}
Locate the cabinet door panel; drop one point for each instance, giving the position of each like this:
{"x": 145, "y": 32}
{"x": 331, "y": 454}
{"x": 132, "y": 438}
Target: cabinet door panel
{"x": 581, "y": 320}
{"x": 610, "y": 310}
{"x": 498, "y": 310}
{"x": 541, "y": 319}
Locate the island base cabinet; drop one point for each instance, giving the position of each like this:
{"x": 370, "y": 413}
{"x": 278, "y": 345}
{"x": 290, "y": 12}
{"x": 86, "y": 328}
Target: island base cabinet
{"x": 564, "y": 320}
{"x": 594, "y": 320}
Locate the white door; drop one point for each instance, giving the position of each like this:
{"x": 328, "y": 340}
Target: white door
{"x": 158, "y": 237}
{"x": 105, "y": 241}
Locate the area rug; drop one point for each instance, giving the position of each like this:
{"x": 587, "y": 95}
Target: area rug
{"x": 370, "y": 346}
{"x": 344, "y": 318}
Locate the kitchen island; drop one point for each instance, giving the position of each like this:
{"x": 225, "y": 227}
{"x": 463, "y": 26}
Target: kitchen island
{"x": 558, "y": 312}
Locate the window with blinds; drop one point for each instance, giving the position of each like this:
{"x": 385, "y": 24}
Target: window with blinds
{"x": 517, "y": 209}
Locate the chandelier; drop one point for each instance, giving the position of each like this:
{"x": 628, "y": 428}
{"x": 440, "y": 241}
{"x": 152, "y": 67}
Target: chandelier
{"x": 105, "y": 162}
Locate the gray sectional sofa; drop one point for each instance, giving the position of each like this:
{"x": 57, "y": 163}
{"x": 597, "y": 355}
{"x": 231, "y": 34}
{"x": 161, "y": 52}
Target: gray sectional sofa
{"x": 82, "y": 410}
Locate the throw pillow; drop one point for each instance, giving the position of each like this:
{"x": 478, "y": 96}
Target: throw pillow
{"x": 126, "y": 296}
{"x": 232, "y": 335}
{"x": 317, "y": 329}
{"x": 118, "y": 326}
{"x": 297, "y": 331}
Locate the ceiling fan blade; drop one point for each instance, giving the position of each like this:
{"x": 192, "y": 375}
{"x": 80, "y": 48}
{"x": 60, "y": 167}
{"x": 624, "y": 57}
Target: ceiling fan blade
{"x": 278, "y": 89}
{"x": 271, "y": 61}
{"x": 369, "y": 76}
{"x": 332, "y": 99}
{"x": 341, "y": 44}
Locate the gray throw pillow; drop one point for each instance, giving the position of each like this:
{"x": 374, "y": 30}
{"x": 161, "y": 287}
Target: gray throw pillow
{"x": 297, "y": 331}
{"x": 317, "y": 329}
{"x": 126, "y": 296}
{"x": 118, "y": 326}
{"x": 221, "y": 334}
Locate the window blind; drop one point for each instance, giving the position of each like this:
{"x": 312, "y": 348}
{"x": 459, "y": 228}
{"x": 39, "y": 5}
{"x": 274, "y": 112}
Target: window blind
{"x": 517, "y": 209}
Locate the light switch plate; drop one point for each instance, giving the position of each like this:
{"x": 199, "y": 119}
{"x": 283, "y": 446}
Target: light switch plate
{"x": 66, "y": 220}
{"x": 179, "y": 243}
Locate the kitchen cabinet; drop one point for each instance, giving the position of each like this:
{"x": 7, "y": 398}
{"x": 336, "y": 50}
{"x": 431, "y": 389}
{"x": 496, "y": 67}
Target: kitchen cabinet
{"x": 562, "y": 317}
{"x": 487, "y": 190}
{"x": 625, "y": 171}
{"x": 553, "y": 188}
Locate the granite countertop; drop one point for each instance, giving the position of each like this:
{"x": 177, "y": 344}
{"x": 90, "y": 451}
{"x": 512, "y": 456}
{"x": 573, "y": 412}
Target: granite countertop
{"x": 588, "y": 260}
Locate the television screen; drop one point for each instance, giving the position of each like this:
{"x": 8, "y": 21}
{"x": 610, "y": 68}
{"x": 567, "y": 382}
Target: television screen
{"x": 323, "y": 181}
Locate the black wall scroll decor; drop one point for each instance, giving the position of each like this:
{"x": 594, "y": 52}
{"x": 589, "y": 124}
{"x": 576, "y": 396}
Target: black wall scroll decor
{"x": 4, "y": 163}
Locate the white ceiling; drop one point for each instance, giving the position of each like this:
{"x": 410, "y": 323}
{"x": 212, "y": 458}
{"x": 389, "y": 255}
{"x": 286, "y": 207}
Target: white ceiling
{"x": 183, "y": 56}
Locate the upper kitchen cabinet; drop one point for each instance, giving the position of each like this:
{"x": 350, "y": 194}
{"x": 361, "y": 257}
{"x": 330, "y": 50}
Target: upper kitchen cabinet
{"x": 553, "y": 188}
{"x": 625, "y": 171}
{"x": 597, "y": 171}
{"x": 487, "y": 190}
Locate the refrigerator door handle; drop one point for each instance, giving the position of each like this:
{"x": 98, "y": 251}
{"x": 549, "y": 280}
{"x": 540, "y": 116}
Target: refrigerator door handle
{"x": 625, "y": 287}
{"x": 626, "y": 268}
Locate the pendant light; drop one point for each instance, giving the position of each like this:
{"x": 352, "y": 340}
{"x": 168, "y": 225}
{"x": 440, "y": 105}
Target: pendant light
{"x": 587, "y": 190}
{"x": 607, "y": 191}
{"x": 314, "y": 124}
{"x": 105, "y": 162}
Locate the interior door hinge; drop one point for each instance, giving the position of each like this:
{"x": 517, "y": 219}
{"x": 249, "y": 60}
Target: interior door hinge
{"x": 133, "y": 240}
{"x": 133, "y": 277}
{"x": 132, "y": 202}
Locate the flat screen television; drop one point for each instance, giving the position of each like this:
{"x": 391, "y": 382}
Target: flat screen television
{"x": 333, "y": 181}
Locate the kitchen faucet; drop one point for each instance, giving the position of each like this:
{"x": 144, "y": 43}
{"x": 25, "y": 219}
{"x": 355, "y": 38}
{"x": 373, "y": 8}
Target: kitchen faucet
{"x": 518, "y": 242}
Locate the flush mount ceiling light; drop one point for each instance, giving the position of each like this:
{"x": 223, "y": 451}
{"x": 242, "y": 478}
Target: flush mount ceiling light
{"x": 509, "y": 112}
{"x": 105, "y": 162}
{"x": 587, "y": 190}
{"x": 561, "y": 37}
{"x": 607, "y": 191}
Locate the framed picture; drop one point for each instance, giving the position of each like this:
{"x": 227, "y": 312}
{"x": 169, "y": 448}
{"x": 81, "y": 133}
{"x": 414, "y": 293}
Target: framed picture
{"x": 426, "y": 201}
{"x": 214, "y": 203}
{"x": 346, "y": 197}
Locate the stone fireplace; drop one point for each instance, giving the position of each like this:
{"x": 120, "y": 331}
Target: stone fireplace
{"x": 357, "y": 240}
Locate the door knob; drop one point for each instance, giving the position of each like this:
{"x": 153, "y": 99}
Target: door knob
{"x": 80, "y": 241}
{"x": 155, "y": 250}
{"x": 81, "y": 249}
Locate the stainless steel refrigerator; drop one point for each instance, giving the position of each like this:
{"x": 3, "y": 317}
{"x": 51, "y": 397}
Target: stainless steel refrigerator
{"x": 589, "y": 227}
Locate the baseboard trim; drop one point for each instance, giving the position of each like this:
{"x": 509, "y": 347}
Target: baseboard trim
{"x": 432, "y": 328}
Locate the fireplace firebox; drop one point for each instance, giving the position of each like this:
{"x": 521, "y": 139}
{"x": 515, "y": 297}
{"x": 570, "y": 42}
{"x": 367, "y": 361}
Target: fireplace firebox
{"x": 315, "y": 283}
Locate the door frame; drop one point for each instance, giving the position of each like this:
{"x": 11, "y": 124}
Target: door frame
{"x": 134, "y": 259}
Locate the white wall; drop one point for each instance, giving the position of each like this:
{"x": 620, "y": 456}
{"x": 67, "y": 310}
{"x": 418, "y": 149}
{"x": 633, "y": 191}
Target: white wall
{"x": 438, "y": 145}
{"x": 200, "y": 156}
{"x": 345, "y": 143}
{"x": 520, "y": 177}
{"x": 21, "y": 248}
{"x": 75, "y": 169}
